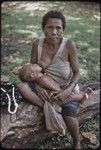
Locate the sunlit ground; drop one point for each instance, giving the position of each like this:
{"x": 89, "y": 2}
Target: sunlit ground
{"x": 21, "y": 23}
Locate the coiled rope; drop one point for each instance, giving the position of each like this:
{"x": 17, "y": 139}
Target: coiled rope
{"x": 9, "y": 101}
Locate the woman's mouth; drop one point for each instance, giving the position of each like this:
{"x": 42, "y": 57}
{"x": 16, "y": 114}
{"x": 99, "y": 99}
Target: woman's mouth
{"x": 54, "y": 38}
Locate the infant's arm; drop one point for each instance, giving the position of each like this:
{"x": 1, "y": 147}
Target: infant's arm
{"x": 48, "y": 83}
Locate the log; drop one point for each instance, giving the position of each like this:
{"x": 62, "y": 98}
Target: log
{"x": 90, "y": 108}
{"x": 26, "y": 128}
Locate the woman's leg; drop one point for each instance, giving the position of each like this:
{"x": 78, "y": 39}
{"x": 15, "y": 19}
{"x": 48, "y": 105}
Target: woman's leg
{"x": 69, "y": 115}
{"x": 28, "y": 94}
{"x": 73, "y": 128}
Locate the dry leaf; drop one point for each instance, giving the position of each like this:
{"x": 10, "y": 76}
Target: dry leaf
{"x": 22, "y": 132}
{"x": 90, "y": 136}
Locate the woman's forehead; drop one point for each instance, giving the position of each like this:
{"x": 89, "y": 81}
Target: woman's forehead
{"x": 54, "y": 21}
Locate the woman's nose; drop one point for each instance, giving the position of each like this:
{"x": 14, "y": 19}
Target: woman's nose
{"x": 54, "y": 32}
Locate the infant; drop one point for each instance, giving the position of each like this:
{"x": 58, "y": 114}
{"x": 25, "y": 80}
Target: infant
{"x": 33, "y": 72}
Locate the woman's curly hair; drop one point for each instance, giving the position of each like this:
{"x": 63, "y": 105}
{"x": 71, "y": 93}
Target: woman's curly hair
{"x": 53, "y": 14}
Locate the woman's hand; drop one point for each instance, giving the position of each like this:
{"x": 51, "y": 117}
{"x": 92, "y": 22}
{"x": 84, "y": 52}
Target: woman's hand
{"x": 43, "y": 94}
{"x": 62, "y": 96}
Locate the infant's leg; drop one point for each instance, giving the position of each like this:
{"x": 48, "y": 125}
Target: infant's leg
{"x": 86, "y": 95}
{"x": 75, "y": 97}
{"x": 81, "y": 97}
{"x": 28, "y": 94}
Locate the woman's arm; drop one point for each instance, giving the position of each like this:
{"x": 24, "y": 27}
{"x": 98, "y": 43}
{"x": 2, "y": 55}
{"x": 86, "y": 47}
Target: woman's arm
{"x": 74, "y": 63}
{"x": 34, "y": 52}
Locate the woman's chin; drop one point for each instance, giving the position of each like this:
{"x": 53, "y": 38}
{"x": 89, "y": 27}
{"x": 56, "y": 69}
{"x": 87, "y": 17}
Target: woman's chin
{"x": 53, "y": 40}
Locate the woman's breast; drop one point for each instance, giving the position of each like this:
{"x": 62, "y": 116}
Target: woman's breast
{"x": 44, "y": 62}
{"x": 59, "y": 68}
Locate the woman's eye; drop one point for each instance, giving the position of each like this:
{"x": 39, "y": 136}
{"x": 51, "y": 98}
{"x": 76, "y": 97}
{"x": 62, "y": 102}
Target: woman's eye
{"x": 58, "y": 28}
{"x": 49, "y": 27}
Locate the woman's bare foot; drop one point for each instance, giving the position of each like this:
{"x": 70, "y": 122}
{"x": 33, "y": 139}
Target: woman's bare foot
{"x": 77, "y": 146}
{"x": 87, "y": 94}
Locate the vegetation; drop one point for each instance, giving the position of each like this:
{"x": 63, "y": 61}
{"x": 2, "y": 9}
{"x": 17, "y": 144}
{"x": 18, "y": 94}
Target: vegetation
{"x": 60, "y": 142}
{"x": 21, "y": 23}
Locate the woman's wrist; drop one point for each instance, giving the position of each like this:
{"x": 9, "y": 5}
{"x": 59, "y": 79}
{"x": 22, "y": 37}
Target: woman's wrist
{"x": 72, "y": 84}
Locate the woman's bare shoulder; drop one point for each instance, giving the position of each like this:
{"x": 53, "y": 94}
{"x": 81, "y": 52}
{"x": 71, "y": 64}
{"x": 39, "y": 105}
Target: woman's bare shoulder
{"x": 71, "y": 47}
{"x": 35, "y": 42}
{"x": 70, "y": 43}
{"x": 34, "y": 53}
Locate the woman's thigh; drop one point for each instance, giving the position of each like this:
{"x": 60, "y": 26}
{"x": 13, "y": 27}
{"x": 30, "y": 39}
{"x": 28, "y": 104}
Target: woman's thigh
{"x": 69, "y": 109}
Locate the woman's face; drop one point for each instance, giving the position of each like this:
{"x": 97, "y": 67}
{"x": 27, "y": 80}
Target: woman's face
{"x": 53, "y": 30}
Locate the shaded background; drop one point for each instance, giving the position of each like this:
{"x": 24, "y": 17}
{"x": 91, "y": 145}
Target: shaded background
{"x": 21, "y": 23}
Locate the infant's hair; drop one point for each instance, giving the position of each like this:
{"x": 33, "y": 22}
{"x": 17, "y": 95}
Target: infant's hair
{"x": 23, "y": 71}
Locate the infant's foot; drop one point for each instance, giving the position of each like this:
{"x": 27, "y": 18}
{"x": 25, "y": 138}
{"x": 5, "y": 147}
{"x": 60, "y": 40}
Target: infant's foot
{"x": 87, "y": 94}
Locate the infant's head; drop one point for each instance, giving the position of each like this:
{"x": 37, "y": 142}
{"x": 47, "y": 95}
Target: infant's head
{"x": 30, "y": 72}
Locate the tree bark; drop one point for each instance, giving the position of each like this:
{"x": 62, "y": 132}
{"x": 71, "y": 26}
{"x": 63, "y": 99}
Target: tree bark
{"x": 90, "y": 108}
{"x": 26, "y": 128}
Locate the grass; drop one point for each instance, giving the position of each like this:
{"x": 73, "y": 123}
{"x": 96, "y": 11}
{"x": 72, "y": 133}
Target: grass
{"x": 64, "y": 142}
{"x": 21, "y": 22}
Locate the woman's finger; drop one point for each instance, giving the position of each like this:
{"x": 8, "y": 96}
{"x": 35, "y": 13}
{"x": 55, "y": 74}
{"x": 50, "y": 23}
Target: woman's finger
{"x": 46, "y": 95}
{"x": 56, "y": 97}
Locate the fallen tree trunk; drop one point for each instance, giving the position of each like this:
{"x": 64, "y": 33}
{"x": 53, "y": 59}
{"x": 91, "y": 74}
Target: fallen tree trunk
{"x": 26, "y": 128}
{"x": 90, "y": 108}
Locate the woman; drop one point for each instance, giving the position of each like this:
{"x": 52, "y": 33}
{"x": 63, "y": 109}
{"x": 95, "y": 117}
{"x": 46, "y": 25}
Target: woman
{"x": 59, "y": 60}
